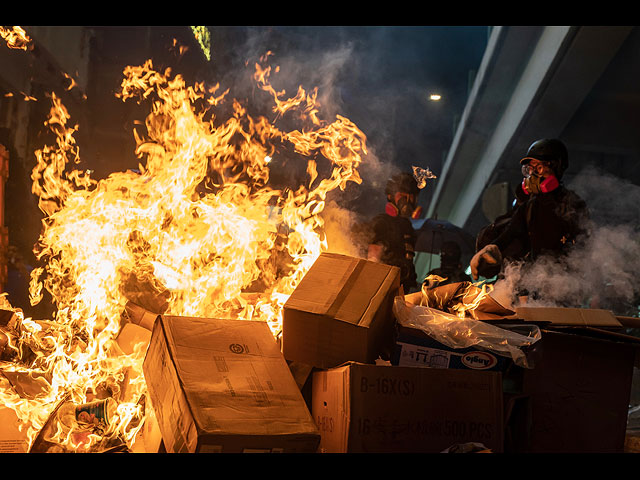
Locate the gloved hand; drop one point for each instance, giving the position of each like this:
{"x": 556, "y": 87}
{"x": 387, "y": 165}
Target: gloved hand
{"x": 486, "y": 262}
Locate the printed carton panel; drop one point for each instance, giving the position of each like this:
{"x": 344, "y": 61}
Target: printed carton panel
{"x": 375, "y": 408}
{"x": 415, "y": 348}
{"x": 412, "y": 355}
{"x": 12, "y": 439}
{"x": 223, "y": 385}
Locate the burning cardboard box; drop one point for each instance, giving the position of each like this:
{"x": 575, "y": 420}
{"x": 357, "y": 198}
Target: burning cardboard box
{"x": 224, "y": 386}
{"x": 12, "y": 438}
{"x": 363, "y": 408}
{"x": 341, "y": 311}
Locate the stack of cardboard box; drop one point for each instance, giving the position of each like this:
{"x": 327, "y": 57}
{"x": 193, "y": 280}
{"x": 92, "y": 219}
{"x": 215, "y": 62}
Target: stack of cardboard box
{"x": 346, "y": 377}
{"x": 573, "y": 397}
{"x": 340, "y": 321}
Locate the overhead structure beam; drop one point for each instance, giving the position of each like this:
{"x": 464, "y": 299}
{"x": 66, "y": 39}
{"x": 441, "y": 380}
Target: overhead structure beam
{"x": 530, "y": 83}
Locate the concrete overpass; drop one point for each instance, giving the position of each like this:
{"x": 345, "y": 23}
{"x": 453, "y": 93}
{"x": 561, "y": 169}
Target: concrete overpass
{"x": 577, "y": 83}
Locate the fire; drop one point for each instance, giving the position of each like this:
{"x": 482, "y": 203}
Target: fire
{"x": 195, "y": 231}
{"x": 460, "y": 299}
{"x": 16, "y": 37}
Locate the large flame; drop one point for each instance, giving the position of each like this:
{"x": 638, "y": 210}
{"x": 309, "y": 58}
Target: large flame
{"x": 196, "y": 230}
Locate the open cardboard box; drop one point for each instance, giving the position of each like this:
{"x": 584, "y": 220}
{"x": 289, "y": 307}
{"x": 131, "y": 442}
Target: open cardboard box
{"x": 415, "y": 348}
{"x": 579, "y": 392}
{"x": 341, "y": 311}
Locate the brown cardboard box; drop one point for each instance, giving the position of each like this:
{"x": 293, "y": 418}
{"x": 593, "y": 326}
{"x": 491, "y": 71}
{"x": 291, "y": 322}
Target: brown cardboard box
{"x": 577, "y": 317}
{"x": 576, "y": 398}
{"x": 224, "y": 386}
{"x": 12, "y": 438}
{"x": 388, "y": 409}
{"x": 341, "y": 311}
{"x": 579, "y": 393}
{"x": 149, "y": 438}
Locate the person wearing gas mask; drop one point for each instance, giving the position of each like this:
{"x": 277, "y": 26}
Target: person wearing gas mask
{"x": 548, "y": 219}
{"x": 391, "y": 238}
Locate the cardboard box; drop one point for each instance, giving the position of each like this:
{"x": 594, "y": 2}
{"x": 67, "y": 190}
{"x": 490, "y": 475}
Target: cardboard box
{"x": 341, "y": 311}
{"x": 224, "y": 386}
{"x": 576, "y": 317}
{"x": 415, "y": 348}
{"x": 149, "y": 438}
{"x": 13, "y": 439}
{"x": 365, "y": 408}
{"x": 579, "y": 393}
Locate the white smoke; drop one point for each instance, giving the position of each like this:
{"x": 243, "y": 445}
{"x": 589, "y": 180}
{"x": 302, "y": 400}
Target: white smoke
{"x": 602, "y": 271}
{"x": 338, "y": 227}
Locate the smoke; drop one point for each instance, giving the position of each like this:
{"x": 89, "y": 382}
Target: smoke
{"x": 338, "y": 228}
{"x": 349, "y": 66}
{"x": 346, "y": 70}
{"x": 601, "y": 271}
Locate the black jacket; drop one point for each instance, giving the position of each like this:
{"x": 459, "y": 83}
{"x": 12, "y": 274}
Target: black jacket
{"x": 398, "y": 239}
{"x": 547, "y": 223}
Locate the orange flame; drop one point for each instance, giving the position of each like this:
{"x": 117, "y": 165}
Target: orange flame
{"x": 197, "y": 232}
{"x": 16, "y": 37}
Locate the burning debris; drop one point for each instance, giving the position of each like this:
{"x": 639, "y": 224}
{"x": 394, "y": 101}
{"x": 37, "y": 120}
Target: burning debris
{"x": 422, "y": 175}
{"x": 15, "y": 37}
{"x": 196, "y": 231}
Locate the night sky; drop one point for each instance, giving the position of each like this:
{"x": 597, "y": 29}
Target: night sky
{"x": 380, "y": 77}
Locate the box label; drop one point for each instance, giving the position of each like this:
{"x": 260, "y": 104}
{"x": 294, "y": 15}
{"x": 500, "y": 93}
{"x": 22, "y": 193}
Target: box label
{"x": 479, "y": 360}
{"x": 412, "y": 355}
{"x": 369, "y": 408}
{"x": 388, "y": 386}
{"x": 419, "y": 356}
{"x": 419, "y": 429}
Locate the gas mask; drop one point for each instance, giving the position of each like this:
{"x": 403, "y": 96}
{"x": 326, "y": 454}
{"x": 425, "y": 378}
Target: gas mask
{"x": 534, "y": 183}
{"x": 404, "y": 205}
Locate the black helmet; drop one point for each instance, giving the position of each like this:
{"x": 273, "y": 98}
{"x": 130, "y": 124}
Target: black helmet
{"x": 549, "y": 150}
{"x": 402, "y": 182}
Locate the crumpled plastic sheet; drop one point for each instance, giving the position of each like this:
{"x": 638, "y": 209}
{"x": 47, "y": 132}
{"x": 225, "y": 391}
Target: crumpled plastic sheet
{"x": 455, "y": 332}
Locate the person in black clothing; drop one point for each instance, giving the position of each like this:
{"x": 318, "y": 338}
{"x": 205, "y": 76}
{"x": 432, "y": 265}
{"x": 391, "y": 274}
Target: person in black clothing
{"x": 391, "y": 235}
{"x": 548, "y": 220}
{"x": 450, "y": 269}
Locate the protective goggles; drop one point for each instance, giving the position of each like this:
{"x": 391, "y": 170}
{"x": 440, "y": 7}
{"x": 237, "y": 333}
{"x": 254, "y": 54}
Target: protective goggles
{"x": 534, "y": 168}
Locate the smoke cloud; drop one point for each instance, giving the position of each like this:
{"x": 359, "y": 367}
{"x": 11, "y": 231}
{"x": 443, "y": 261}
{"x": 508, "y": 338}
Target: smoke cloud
{"x": 330, "y": 60}
{"x": 602, "y": 271}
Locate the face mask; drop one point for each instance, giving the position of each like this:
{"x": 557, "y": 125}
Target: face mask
{"x": 535, "y": 184}
{"x": 404, "y": 206}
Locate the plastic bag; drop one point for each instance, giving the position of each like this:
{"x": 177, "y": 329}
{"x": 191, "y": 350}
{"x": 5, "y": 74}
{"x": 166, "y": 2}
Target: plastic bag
{"x": 456, "y": 332}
